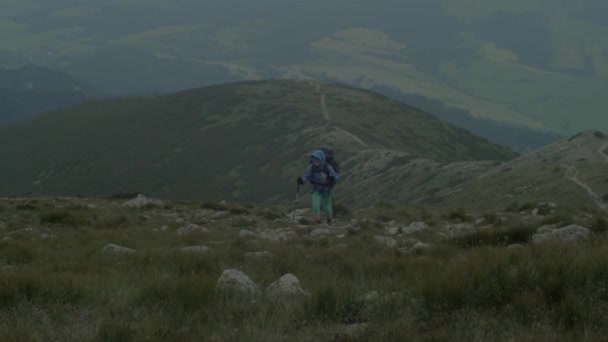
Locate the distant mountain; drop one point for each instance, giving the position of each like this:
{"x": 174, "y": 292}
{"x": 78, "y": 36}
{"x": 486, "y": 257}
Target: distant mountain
{"x": 518, "y": 137}
{"x": 537, "y": 63}
{"x": 244, "y": 141}
{"x": 31, "y": 90}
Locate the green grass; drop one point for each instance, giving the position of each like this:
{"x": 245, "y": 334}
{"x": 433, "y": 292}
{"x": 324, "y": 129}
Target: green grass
{"x": 466, "y": 288}
{"x": 194, "y": 152}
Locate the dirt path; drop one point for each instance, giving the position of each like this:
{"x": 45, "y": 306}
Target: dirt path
{"x": 325, "y": 113}
{"x": 354, "y": 137}
{"x": 574, "y": 172}
{"x": 324, "y": 106}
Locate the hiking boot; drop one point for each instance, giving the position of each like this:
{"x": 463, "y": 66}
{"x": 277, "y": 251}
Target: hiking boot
{"x": 330, "y": 222}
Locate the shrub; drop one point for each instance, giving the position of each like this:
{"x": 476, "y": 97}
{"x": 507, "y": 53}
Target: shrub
{"x": 495, "y": 236}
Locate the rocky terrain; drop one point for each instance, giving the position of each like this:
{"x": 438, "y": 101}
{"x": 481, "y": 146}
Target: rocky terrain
{"x": 85, "y": 269}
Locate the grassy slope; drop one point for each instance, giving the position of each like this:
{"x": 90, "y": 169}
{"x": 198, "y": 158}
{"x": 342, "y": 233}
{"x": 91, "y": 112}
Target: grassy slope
{"x": 467, "y": 287}
{"x": 244, "y": 141}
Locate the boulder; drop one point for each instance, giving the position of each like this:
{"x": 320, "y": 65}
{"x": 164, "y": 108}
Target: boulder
{"x": 237, "y": 281}
{"x": 570, "y": 234}
{"x": 118, "y": 250}
{"x": 191, "y": 229}
{"x": 414, "y": 227}
{"x": 287, "y": 285}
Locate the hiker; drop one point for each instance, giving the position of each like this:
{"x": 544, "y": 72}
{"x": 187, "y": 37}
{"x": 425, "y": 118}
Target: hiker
{"x": 322, "y": 176}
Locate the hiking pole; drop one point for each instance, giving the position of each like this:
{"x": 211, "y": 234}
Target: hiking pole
{"x": 295, "y": 205}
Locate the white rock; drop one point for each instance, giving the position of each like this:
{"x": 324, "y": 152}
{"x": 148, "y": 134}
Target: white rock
{"x": 235, "y": 280}
{"x": 244, "y": 233}
{"x": 458, "y": 228}
{"x": 547, "y": 228}
{"x": 164, "y": 228}
{"x": 370, "y": 297}
{"x": 116, "y": 249}
{"x": 572, "y": 233}
{"x": 220, "y": 215}
{"x": 421, "y": 246}
{"x": 141, "y": 201}
{"x": 278, "y": 236}
{"x": 287, "y": 285}
{"x": 298, "y": 213}
{"x": 191, "y": 229}
{"x": 391, "y": 230}
{"x": 414, "y": 227}
{"x": 321, "y": 232}
{"x": 195, "y": 249}
{"x": 386, "y": 240}
{"x": 516, "y": 246}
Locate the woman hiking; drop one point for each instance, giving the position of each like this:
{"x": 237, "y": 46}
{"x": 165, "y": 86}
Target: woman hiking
{"x": 322, "y": 176}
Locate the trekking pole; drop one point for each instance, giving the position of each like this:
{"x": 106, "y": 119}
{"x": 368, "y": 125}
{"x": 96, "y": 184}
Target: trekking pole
{"x": 295, "y": 205}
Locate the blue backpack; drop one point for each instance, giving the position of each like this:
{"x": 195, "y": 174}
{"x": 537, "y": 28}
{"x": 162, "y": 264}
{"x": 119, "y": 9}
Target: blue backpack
{"x": 330, "y": 158}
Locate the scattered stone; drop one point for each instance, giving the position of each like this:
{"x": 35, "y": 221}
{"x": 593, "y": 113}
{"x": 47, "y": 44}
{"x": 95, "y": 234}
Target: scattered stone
{"x": 547, "y": 228}
{"x": 118, "y": 250}
{"x": 385, "y": 240}
{"x": 142, "y": 201}
{"x": 195, "y": 249}
{"x": 164, "y": 228}
{"x": 321, "y": 232}
{"x": 370, "y": 297}
{"x": 355, "y": 330}
{"x": 191, "y": 229}
{"x": 220, "y": 215}
{"x": 516, "y": 246}
{"x": 244, "y": 234}
{"x": 299, "y": 213}
{"x": 391, "y": 230}
{"x": 287, "y": 285}
{"x": 235, "y": 280}
{"x": 414, "y": 227}
{"x": 258, "y": 255}
{"x": 480, "y": 221}
{"x": 421, "y": 246}
{"x": 572, "y": 233}
{"x": 453, "y": 229}
{"x": 278, "y": 236}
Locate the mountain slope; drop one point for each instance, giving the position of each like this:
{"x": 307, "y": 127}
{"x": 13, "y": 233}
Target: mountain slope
{"x": 32, "y": 90}
{"x": 244, "y": 141}
{"x": 571, "y": 173}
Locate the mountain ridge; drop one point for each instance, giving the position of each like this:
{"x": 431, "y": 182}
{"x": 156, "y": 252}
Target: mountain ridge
{"x": 170, "y": 144}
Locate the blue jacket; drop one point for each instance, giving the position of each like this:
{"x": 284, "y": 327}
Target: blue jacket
{"x": 318, "y": 177}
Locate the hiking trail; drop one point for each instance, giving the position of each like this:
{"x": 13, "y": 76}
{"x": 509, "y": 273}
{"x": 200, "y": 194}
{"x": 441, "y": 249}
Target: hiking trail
{"x": 574, "y": 178}
{"x": 325, "y": 113}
